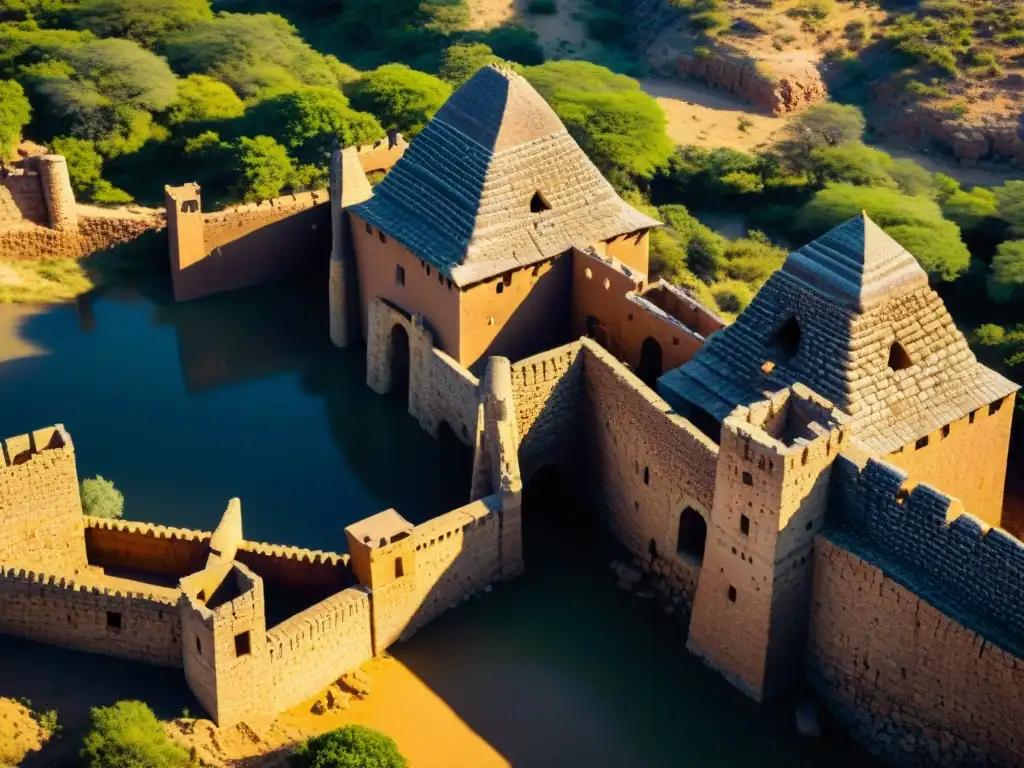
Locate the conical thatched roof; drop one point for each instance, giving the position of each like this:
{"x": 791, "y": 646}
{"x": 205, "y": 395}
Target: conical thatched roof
{"x": 852, "y": 317}
{"x": 465, "y": 196}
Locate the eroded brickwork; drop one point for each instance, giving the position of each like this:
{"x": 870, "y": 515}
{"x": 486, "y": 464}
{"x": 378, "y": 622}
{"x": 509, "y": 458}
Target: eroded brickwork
{"x": 914, "y": 685}
{"x": 40, "y": 507}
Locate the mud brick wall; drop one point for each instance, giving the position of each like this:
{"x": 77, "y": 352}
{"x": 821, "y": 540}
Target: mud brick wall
{"x": 141, "y": 546}
{"x": 457, "y": 554}
{"x": 314, "y": 648}
{"x": 40, "y": 506}
{"x": 58, "y": 611}
{"x": 942, "y": 552}
{"x": 548, "y": 394}
{"x": 449, "y": 395}
{"x": 912, "y": 683}
{"x": 21, "y": 200}
{"x": 304, "y": 570}
{"x": 647, "y": 464}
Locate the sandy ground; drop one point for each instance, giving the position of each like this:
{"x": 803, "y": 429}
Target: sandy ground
{"x": 20, "y": 734}
{"x": 12, "y": 316}
{"x": 426, "y": 729}
{"x": 708, "y": 118}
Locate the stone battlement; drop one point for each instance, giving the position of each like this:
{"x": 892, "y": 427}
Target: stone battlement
{"x": 146, "y": 529}
{"x": 925, "y": 540}
{"x": 20, "y": 576}
{"x": 20, "y": 449}
{"x": 298, "y": 554}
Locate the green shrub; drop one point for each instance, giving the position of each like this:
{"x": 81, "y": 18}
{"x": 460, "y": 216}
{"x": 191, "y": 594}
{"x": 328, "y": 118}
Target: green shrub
{"x": 711, "y": 22}
{"x": 15, "y": 112}
{"x": 732, "y": 296}
{"x": 812, "y": 9}
{"x": 128, "y": 735}
{"x": 101, "y": 499}
{"x": 542, "y": 7}
{"x": 1008, "y": 264}
{"x": 460, "y": 62}
{"x": 400, "y": 98}
{"x": 352, "y": 746}
{"x": 262, "y": 167}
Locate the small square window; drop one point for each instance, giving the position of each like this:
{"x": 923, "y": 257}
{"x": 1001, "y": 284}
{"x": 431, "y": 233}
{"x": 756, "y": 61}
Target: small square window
{"x": 399, "y": 568}
{"x": 748, "y": 479}
{"x": 945, "y": 431}
{"x": 647, "y": 475}
{"x": 732, "y": 594}
{"x": 810, "y": 525}
{"x": 971, "y": 417}
{"x": 383, "y": 239}
{"x": 993, "y": 408}
{"x": 744, "y": 525}
{"x": 369, "y": 229}
{"x": 199, "y": 647}
{"x": 242, "y": 647}
{"x": 114, "y": 621}
{"x": 400, "y": 275}
{"x": 921, "y": 443}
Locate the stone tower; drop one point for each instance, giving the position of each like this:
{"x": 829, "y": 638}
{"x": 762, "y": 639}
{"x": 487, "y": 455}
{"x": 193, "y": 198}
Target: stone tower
{"x": 349, "y": 186}
{"x": 57, "y": 192}
{"x": 383, "y": 558}
{"x": 184, "y": 233}
{"x": 752, "y": 603}
{"x": 224, "y": 641}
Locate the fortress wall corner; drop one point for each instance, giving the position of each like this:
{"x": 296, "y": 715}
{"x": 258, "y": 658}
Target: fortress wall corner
{"x": 61, "y": 611}
{"x": 314, "y": 648}
{"x": 547, "y": 394}
{"x": 448, "y": 394}
{"x": 910, "y": 682}
{"x": 649, "y": 465}
{"x": 41, "y": 522}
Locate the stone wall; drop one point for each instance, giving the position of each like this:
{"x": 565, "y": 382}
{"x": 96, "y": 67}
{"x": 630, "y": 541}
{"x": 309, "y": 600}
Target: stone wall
{"x": 448, "y": 395}
{"x": 40, "y": 506}
{"x": 145, "y": 547}
{"x": 547, "y": 390}
{"x": 21, "y": 200}
{"x": 912, "y": 684}
{"x": 648, "y": 465}
{"x": 57, "y": 610}
{"x": 303, "y": 570}
{"x": 966, "y": 459}
{"x": 309, "y": 651}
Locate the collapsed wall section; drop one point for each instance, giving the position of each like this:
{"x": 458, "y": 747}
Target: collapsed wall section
{"x": 649, "y": 466}
{"x": 59, "y": 611}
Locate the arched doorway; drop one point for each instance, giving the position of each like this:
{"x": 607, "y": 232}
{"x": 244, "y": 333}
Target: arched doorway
{"x": 693, "y": 534}
{"x": 649, "y": 368}
{"x": 398, "y": 346}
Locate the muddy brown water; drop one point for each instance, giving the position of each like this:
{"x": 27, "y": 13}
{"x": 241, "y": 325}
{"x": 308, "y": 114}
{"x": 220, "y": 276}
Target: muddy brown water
{"x": 185, "y": 406}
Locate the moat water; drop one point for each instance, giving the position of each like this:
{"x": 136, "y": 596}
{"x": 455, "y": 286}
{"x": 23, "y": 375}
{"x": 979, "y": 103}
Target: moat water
{"x": 185, "y": 406}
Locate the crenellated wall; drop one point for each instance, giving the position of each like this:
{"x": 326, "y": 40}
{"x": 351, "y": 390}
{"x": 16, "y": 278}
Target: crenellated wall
{"x": 307, "y": 651}
{"x": 145, "y": 547}
{"x": 143, "y": 626}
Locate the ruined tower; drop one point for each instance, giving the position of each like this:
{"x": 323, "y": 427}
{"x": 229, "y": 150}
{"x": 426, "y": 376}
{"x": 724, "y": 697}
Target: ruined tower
{"x": 60, "y": 199}
{"x": 752, "y": 604}
{"x": 349, "y": 186}
{"x": 184, "y": 234}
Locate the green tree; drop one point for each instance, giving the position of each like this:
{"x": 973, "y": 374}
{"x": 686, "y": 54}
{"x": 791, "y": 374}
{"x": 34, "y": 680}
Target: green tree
{"x": 990, "y": 335}
{"x": 851, "y": 163}
{"x": 352, "y": 746}
{"x": 620, "y": 127}
{"x": 461, "y": 61}
{"x": 147, "y": 22}
{"x": 125, "y": 73}
{"x": 826, "y": 125}
{"x": 945, "y": 186}
{"x": 128, "y": 735}
{"x": 84, "y": 163}
{"x": 202, "y": 98}
{"x": 15, "y": 112}
{"x": 1010, "y": 197}
{"x": 263, "y": 168}
{"x": 401, "y": 98}
{"x": 732, "y": 296}
{"x": 1008, "y": 264}
{"x": 101, "y": 499}
{"x": 310, "y": 121}
{"x": 971, "y": 210}
{"x": 916, "y": 223}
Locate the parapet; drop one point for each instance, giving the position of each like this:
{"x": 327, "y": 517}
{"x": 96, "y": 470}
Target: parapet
{"x": 222, "y": 590}
{"x": 790, "y": 422}
{"x": 378, "y": 530}
{"x": 922, "y": 538}
{"x": 147, "y": 529}
{"x": 21, "y": 448}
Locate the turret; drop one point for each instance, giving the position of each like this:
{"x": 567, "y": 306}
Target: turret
{"x": 752, "y": 603}
{"x": 60, "y": 199}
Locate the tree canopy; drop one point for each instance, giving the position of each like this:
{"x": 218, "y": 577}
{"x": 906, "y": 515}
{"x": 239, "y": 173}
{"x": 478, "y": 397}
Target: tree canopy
{"x": 915, "y": 222}
{"x": 101, "y": 499}
{"x": 147, "y": 22}
{"x": 201, "y": 98}
{"x": 463, "y": 60}
{"x": 15, "y": 112}
{"x": 826, "y": 125}
{"x": 352, "y": 746}
{"x": 263, "y": 168}
{"x": 401, "y": 98}
{"x": 128, "y": 735}
{"x": 620, "y": 127}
